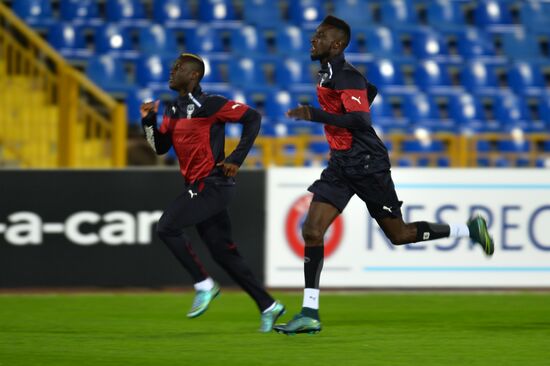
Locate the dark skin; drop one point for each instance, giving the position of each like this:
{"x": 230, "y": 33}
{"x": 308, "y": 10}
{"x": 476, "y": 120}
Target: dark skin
{"x": 185, "y": 76}
{"x": 326, "y": 43}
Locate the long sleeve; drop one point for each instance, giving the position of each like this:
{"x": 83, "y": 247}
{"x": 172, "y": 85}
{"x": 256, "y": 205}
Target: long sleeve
{"x": 159, "y": 142}
{"x": 251, "y": 121}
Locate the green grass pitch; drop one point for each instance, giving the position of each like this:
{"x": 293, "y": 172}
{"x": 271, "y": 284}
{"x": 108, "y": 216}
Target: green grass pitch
{"x": 359, "y": 329}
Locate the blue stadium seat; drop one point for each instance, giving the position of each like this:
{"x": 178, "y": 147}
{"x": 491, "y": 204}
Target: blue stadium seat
{"x": 356, "y": 12}
{"x": 36, "y": 13}
{"x": 246, "y": 72}
{"x": 419, "y": 107}
{"x": 126, "y": 12}
{"x": 153, "y": 72}
{"x": 477, "y": 76}
{"x": 525, "y": 78}
{"x": 216, "y": 10}
{"x": 262, "y": 13}
{"x": 108, "y": 72}
{"x": 80, "y": 12}
{"x": 502, "y": 162}
{"x": 306, "y": 11}
{"x": 116, "y": 40}
{"x": 512, "y": 146}
{"x": 158, "y": 40}
{"x": 404, "y": 162}
{"x": 203, "y": 39}
{"x": 444, "y": 14}
{"x": 291, "y": 40}
{"x": 384, "y": 72}
{"x": 519, "y": 44}
{"x": 294, "y": 73}
{"x": 278, "y": 103}
{"x": 492, "y": 12}
{"x": 379, "y": 108}
{"x": 535, "y": 14}
{"x": 474, "y": 43}
{"x": 415, "y": 146}
{"x": 544, "y": 109}
{"x": 507, "y": 110}
{"x": 379, "y": 41}
{"x": 248, "y": 40}
{"x": 68, "y": 40}
{"x": 398, "y": 13}
{"x": 212, "y": 70}
{"x": 172, "y": 13}
{"x": 466, "y": 110}
{"x": 431, "y": 76}
{"x": 428, "y": 44}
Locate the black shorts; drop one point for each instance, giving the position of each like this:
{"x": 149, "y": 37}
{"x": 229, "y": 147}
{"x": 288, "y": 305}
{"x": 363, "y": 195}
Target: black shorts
{"x": 338, "y": 184}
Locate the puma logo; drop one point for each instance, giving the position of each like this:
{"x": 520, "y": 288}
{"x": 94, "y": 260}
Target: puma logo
{"x": 174, "y": 109}
{"x": 386, "y": 208}
{"x": 235, "y": 106}
{"x": 191, "y": 193}
{"x": 357, "y": 99}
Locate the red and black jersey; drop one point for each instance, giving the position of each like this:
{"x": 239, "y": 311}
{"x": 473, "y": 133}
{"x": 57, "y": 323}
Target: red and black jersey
{"x": 345, "y": 97}
{"x": 195, "y": 126}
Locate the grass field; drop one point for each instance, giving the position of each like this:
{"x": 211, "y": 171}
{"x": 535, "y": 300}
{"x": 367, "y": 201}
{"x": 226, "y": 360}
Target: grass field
{"x": 359, "y": 329}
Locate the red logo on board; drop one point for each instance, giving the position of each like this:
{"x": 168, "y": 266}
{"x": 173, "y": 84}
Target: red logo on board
{"x": 293, "y": 227}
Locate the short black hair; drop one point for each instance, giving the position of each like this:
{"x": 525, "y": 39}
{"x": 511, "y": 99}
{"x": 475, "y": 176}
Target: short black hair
{"x": 339, "y": 24}
{"x": 195, "y": 60}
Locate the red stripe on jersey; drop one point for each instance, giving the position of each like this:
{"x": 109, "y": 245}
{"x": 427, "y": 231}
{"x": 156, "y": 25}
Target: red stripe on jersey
{"x": 354, "y": 100}
{"x": 231, "y": 111}
{"x": 338, "y": 138}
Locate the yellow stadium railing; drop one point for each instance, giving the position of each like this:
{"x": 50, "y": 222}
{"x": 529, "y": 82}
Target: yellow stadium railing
{"x": 50, "y": 114}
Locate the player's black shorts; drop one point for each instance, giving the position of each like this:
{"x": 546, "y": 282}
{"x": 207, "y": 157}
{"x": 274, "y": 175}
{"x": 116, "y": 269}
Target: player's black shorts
{"x": 338, "y": 184}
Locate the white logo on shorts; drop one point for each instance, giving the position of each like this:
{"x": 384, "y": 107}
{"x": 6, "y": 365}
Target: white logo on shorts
{"x": 387, "y": 208}
{"x": 192, "y": 194}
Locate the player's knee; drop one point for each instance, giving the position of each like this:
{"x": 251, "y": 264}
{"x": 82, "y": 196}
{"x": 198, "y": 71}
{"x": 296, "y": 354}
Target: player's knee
{"x": 312, "y": 235}
{"x": 398, "y": 238}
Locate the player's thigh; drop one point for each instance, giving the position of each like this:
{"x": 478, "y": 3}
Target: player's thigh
{"x": 216, "y": 230}
{"x": 319, "y": 217}
{"x": 332, "y": 188}
{"x": 192, "y": 207}
{"x": 378, "y": 192}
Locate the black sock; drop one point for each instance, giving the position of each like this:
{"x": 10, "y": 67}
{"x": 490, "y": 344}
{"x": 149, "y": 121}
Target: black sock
{"x": 313, "y": 264}
{"x": 429, "y": 231}
{"x": 311, "y": 313}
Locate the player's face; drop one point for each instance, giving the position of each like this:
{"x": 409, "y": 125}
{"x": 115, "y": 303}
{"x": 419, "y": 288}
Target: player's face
{"x": 321, "y": 43}
{"x": 180, "y": 75}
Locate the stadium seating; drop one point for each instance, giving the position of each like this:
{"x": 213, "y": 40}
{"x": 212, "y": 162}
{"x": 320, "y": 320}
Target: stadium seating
{"x": 457, "y": 66}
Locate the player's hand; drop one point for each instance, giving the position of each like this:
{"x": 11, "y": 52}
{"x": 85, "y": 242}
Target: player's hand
{"x": 229, "y": 169}
{"x": 302, "y": 112}
{"x": 145, "y": 108}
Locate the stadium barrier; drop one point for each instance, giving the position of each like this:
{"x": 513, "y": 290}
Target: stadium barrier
{"x": 58, "y": 230}
{"x": 50, "y": 114}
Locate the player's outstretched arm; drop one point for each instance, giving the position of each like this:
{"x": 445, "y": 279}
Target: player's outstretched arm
{"x": 160, "y": 142}
{"x": 352, "y": 120}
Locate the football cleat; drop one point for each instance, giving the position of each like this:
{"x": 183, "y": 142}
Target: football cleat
{"x": 270, "y": 317}
{"x": 202, "y": 300}
{"x": 299, "y": 324}
{"x": 479, "y": 233}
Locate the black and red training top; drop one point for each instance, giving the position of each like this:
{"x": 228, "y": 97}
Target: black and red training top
{"x": 195, "y": 126}
{"x": 345, "y": 97}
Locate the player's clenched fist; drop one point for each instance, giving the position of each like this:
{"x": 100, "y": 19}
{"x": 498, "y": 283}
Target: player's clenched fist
{"x": 302, "y": 112}
{"x": 145, "y": 108}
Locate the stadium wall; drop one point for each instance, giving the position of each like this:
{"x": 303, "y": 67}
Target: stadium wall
{"x": 89, "y": 228}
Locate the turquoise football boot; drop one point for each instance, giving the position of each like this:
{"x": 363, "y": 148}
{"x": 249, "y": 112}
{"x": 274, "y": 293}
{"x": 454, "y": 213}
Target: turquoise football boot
{"x": 299, "y": 324}
{"x": 270, "y": 317}
{"x": 202, "y": 300}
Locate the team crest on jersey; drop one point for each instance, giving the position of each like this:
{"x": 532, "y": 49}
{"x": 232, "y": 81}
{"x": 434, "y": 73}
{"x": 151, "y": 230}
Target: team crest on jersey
{"x": 190, "y": 110}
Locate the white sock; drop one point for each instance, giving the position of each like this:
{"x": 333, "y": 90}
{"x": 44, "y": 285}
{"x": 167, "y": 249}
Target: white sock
{"x": 270, "y": 308}
{"x": 205, "y": 285}
{"x": 459, "y": 231}
{"x": 311, "y": 298}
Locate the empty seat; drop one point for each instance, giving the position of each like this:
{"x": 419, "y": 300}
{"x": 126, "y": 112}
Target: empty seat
{"x": 492, "y": 12}
{"x": 423, "y": 146}
{"x": 535, "y": 14}
{"x": 263, "y": 13}
{"x": 419, "y": 107}
{"x": 477, "y": 76}
{"x": 429, "y": 74}
{"x": 427, "y": 44}
{"x": 474, "y": 43}
{"x": 171, "y": 12}
{"x": 291, "y": 40}
{"x": 525, "y": 77}
{"x": 445, "y": 14}
{"x": 246, "y": 72}
{"x": 398, "y": 12}
{"x": 36, "y": 13}
{"x": 514, "y": 146}
{"x": 216, "y": 10}
{"x": 306, "y": 11}
{"x": 355, "y": 12}
{"x": 278, "y": 103}
{"x": 158, "y": 40}
{"x": 247, "y": 40}
{"x": 80, "y": 12}
{"x": 213, "y": 72}
{"x": 114, "y": 39}
{"x": 126, "y": 12}
{"x": 108, "y": 72}
{"x": 292, "y": 71}
{"x": 519, "y": 44}
{"x": 153, "y": 72}
{"x": 379, "y": 41}
{"x": 203, "y": 39}
{"x": 384, "y": 73}
{"x": 68, "y": 40}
